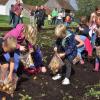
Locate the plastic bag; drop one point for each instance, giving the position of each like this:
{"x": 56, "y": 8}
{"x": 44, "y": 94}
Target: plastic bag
{"x": 6, "y": 85}
{"x": 55, "y": 64}
{"x": 98, "y": 51}
{"x": 27, "y": 60}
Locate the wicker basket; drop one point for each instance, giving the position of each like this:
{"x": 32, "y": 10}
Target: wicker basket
{"x": 55, "y": 64}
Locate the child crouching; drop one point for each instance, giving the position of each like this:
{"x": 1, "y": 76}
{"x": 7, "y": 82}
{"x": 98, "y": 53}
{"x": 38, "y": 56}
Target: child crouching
{"x": 66, "y": 46}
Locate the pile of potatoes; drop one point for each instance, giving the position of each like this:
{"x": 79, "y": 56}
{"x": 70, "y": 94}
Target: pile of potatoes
{"x": 9, "y": 87}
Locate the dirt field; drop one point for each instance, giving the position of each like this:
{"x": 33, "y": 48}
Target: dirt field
{"x": 42, "y": 87}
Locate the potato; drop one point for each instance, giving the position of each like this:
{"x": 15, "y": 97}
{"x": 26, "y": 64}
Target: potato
{"x": 10, "y": 89}
{"x": 1, "y": 85}
{"x": 4, "y": 88}
{"x": 7, "y": 86}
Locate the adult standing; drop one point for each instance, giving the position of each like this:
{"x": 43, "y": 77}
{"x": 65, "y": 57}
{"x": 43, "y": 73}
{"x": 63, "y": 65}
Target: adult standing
{"x": 11, "y": 15}
{"x": 17, "y": 11}
{"x": 32, "y": 17}
{"x": 93, "y": 25}
{"x": 41, "y": 17}
{"x": 60, "y": 18}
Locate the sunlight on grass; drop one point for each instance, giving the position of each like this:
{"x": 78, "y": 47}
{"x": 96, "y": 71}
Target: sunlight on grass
{"x": 4, "y": 21}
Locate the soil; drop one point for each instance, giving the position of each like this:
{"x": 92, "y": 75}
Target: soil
{"x": 42, "y": 87}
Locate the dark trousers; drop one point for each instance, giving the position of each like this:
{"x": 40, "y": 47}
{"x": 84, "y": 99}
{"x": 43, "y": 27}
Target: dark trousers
{"x": 12, "y": 15}
{"x": 53, "y": 20}
{"x": 16, "y": 21}
{"x": 66, "y": 69}
{"x": 21, "y": 19}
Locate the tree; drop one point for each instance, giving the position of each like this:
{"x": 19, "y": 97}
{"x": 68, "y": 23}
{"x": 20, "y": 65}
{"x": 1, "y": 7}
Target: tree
{"x": 87, "y": 6}
{"x": 35, "y": 2}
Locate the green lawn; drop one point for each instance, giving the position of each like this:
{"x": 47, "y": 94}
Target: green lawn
{"x": 4, "y": 21}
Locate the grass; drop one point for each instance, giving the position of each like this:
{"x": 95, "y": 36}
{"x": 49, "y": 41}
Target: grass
{"x": 93, "y": 91}
{"x": 4, "y": 21}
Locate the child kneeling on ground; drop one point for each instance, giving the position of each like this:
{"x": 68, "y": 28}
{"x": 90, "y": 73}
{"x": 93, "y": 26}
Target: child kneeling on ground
{"x": 7, "y": 45}
{"x": 65, "y": 43}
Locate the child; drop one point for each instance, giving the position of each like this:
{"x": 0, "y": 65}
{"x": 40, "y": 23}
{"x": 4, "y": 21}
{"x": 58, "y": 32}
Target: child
{"x": 26, "y": 36}
{"x": 97, "y": 61}
{"x": 66, "y": 45}
{"x": 7, "y": 45}
{"x": 49, "y": 19}
{"x": 67, "y": 20}
{"x": 83, "y": 28}
{"x": 83, "y": 45}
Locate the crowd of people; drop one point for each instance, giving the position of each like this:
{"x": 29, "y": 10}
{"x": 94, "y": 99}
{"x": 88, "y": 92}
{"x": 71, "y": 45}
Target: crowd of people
{"x": 69, "y": 44}
{"x": 72, "y": 44}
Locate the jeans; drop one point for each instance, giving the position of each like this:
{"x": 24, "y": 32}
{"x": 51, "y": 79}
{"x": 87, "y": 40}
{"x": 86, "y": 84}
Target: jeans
{"x": 97, "y": 63}
{"x": 66, "y": 24}
{"x": 54, "y": 21}
{"x": 16, "y": 21}
{"x": 66, "y": 69}
{"x": 59, "y": 21}
{"x": 16, "y": 59}
{"x": 12, "y": 15}
{"x": 93, "y": 38}
{"x": 37, "y": 56}
{"x": 79, "y": 51}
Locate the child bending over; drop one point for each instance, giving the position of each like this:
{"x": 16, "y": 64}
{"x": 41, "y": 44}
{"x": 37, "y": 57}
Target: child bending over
{"x": 7, "y": 45}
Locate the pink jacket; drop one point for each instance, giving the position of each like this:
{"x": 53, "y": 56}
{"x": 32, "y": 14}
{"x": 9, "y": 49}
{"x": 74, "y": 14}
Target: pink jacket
{"x": 88, "y": 47}
{"x": 17, "y": 33}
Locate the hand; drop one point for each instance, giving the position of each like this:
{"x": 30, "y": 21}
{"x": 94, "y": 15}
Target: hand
{"x": 22, "y": 48}
{"x": 31, "y": 50}
{"x": 55, "y": 49}
{"x": 10, "y": 77}
{"x": 61, "y": 55}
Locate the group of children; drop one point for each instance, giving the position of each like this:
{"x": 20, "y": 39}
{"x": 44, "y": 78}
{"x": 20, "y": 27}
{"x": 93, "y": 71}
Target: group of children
{"x": 18, "y": 40}
{"x": 69, "y": 45}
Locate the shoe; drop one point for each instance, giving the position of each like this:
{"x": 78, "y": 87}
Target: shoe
{"x": 95, "y": 70}
{"x": 66, "y": 81}
{"x": 81, "y": 62}
{"x": 43, "y": 69}
{"x": 58, "y": 76}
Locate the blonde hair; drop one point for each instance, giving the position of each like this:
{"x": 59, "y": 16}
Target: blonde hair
{"x": 60, "y": 30}
{"x": 84, "y": 20}
{"x": 30, "y": 34}
{"x": 11, "y": 43}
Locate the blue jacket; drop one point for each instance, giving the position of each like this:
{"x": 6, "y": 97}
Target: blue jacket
{"x": 68, "y": 45}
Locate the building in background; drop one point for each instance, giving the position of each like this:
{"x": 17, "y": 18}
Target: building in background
{"x": 59, "y": 4}
{"x": 74, "y": 4}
